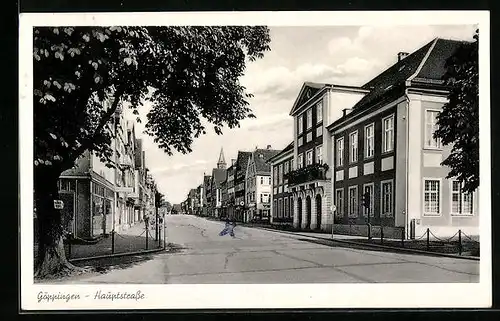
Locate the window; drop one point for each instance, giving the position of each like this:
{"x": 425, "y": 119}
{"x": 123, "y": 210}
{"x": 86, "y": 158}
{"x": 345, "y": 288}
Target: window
{"x": 287, "y": 207}
{"x": 319, "y": 154}
{"x": 339, "y": 202}
{"x": 386, "y": 198}
{"x": 275, "y": 208}
{"x": 300, "y": 141}
{"x": 369, "y": 141}
{"x": 388, "y": 134}
{"x": 309, "y": 156}
{"x": 430, "y": 128}
{"x": 280, "y": 208}
{"x": 431, "y": 196}
{"x": 262, "y": 180}
{"x": 269, "y": 178}
{"x": 275, "y": 175}
{"x": 368, "y": 190}
{"x": 461, "y": 203}
{"x": 285, "y": 188}
{"x": 340, "y": 152}
{"x": 309, "y": 118}
{"x": 309, "y": 136}
{"x": 280, "y": 174}
{"x": 291, "y": 165}
{"x": 290, "y": 200}
{"x": 286, "y": 168}
{"x": 353, "y": 147}
{"x": 319, "y": 112}
{"x": 319, "y": 131}
{"x": 300, "y": 161}
{"x": 353, "y": 201}
{"x": 300, "y": 124}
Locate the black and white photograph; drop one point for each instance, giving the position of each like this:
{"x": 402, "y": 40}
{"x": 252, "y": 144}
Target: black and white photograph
{"x": 250, "y": 160}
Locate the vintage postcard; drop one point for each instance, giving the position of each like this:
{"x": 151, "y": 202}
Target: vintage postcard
{"x": 255, "y": 160}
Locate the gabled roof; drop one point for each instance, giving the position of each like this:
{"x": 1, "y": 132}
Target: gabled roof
{"x": 260, "y": 157}
{"x": 307, "y": 90}
{"x": 311, "y": 90}
{"x": 288, "y": 148}
{"x": 426, "y": 65}
{"x": 423, "y": 65}
{"x": 218, "y": 175}
{"x": 242, "y": 160}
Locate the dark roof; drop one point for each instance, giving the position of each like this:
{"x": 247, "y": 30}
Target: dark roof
{"x": 425, "y": 65}
{"x": 288, "y": 148}
{"x": 218, "y": 175}
{"x": 242, "y": 160}
{"x": 261, "y": 156}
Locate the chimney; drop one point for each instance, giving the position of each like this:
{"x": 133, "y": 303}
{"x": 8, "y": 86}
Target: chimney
{"x": 268, "y": 146}
{"x": 402, "y": 55}
{"x": 346, "y": 111}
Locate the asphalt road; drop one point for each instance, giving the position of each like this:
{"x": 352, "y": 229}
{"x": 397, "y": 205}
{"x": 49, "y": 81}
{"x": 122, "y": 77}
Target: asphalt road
{"x": 260, "y": 256}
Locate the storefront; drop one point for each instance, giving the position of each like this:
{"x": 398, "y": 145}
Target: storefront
{"x": 102, "y": 209}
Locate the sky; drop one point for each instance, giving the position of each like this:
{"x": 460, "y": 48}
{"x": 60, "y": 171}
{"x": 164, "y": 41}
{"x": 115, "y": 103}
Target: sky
{"x": 345, "y": 55}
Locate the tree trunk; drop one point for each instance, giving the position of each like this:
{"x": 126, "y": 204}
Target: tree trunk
{"x": 51, "y": 256}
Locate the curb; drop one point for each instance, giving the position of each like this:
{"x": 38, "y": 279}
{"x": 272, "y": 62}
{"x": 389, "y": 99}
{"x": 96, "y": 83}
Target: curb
{"x": 404, "y": 250}
{"x": 115, "y": 255}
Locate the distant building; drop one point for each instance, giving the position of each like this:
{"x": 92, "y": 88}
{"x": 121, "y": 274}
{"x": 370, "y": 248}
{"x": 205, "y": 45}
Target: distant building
{"x": 218, "y": 176}
{"x": 258, "y": 185}
{"x": 281, "y": 198}
{"x": 240, "y": 168}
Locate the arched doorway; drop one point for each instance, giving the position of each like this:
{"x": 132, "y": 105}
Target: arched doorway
{"x": 318, "y": 212}
{"x": 299, "y": 212}
{"x": 308, "y": 212}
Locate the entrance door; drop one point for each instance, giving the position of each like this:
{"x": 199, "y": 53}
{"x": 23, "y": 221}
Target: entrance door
{"x": 299, "y": 211}
{"x": 308, "y": 212}
{"x": 318, "y": 212}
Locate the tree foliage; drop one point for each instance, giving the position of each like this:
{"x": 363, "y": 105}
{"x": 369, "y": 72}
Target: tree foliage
{"x": 458, "y": 122}
{"x": 83, "y": 74}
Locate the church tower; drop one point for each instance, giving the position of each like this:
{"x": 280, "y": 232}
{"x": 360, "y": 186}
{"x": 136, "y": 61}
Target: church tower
{"x": 222, "y": 162}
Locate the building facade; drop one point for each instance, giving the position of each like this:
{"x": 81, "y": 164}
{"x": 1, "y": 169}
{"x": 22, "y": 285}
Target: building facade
{"x": 281, "y": 198}
{"x": 385, "y": 151}
{"x": 99, "y": 197}
{"x": 258, "y": 185}
{"x": 239, "y": 185}
{"x": 316, "y": 106}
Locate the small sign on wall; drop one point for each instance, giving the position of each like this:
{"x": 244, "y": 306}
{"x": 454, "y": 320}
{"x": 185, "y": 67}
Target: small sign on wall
{"x": 58, "y": 204}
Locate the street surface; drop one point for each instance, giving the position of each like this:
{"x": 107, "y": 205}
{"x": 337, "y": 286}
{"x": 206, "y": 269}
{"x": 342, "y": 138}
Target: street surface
{"x": 260, "y": 256}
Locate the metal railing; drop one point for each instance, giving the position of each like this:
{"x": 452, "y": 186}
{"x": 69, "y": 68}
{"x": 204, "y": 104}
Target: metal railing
{"x": 152, "y": 237}
{"x": 459, "y": 243}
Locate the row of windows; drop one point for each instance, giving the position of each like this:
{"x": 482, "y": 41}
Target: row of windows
{"x": 309, "y": 157}
{"x": 369, "y": 142}
{"x": 461, "y": 203}
{"x": 283, "y": 208}
{"x": 280, "y": 170}
{"x": 264, "y": 180}
{"x": 309, "y": 118}
{"x": 319, "y": 132}
{"x": 354, "y": 205}
{"x": 264, "y": 197}
{"x": 387, "y": 138}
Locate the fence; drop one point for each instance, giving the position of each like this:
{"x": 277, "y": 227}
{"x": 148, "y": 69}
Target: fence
{"x": 460, "y": 243}
{"x": 138, "y": 238}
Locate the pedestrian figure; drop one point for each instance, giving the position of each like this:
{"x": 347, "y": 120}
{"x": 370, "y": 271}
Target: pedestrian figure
{"x": 229, "y": 228}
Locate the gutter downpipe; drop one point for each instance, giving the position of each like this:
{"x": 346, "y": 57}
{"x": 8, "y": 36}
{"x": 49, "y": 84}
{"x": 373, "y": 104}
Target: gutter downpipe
{"x": 407, "y": 151}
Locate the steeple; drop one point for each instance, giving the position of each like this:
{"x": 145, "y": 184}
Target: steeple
{"x": 222, "y": 162}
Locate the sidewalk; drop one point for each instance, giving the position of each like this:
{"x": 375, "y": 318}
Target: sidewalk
{"x": 128, "y": 241}
{"x": 470, "y": 249}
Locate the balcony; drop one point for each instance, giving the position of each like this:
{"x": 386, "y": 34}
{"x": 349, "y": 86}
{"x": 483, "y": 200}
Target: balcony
{"x": 306, "y": 174}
